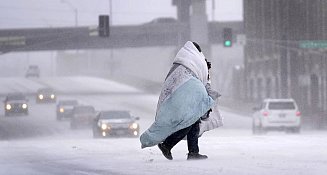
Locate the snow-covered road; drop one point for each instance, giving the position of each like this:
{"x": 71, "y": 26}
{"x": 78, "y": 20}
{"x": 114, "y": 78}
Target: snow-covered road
{"x": 38, "y": 144}
{"x": 228, "y": 154}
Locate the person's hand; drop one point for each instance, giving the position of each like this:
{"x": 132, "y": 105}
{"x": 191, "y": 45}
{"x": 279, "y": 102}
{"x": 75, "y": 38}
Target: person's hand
{"x": 206, "y": 115}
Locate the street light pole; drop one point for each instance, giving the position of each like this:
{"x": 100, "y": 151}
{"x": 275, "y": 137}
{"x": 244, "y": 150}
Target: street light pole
{"x": 112, "y": 61}
{"x": 76, "y": 17}
{"x": 110, "y": 12}
{"x": 213, "y": 10}
{"x": 74, "y": 9}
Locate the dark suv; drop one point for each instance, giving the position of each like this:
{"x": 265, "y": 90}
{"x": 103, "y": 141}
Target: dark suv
{"x": 65, "y": 108}
{"x": 115, "y": 123}
{"x": 15, "y": 103}
{"x": 46, "y": 95}
{"x": 82, "y": 116}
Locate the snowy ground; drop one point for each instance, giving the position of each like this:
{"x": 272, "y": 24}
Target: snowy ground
{"x": 38, "y": 144}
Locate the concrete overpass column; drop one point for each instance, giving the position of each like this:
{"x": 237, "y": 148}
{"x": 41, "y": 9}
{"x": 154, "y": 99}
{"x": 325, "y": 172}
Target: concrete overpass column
{"x": 199, "y": 26}
{"x": 183, "y": 10}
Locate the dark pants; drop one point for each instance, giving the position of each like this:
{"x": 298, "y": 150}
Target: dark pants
{"x": 192, "y": 133}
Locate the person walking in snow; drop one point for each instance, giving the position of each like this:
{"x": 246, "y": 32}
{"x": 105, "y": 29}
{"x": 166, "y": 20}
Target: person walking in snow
{"x": 182, "y": 102}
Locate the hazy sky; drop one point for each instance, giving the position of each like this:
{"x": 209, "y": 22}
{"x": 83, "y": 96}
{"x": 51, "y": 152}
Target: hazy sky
{"x": 58, "y": 13}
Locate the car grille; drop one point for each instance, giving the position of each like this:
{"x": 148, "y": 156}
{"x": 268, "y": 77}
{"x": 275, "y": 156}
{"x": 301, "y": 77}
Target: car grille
{"x": 17, "y": 107}
{"x": 120, "y": 125}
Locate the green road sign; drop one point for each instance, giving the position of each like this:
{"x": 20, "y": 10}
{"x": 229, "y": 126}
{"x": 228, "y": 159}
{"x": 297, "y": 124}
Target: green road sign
{"x": 313, "y": 44}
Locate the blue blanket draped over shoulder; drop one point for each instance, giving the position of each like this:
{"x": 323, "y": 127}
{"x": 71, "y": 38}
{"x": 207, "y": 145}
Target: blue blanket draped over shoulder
{"x": 181, "y": 109}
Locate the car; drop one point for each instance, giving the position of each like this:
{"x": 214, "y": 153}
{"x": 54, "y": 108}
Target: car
{"x": 115, "y": 123}
{"x": 82, "y": 116}
{"x": 64, "y": 108}
{"x": 277, "y": 114}
{"x": 15, "y": 103}
{"x": 163, "y": 20}
{"x": 32, "y": 71}
{"x": 46, "y": 95}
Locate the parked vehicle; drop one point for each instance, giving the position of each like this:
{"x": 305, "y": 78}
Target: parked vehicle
{"x": 33, "y": 71}
{"x": 277, "y": 114}
{"x": 64, "y": 109}
{"x": 115, "y": 123}
{"x": 46, "y": 95}
{"x": 15, "y": 103}
{"x": 82, "y": 116}
{"x": 163, "y": 20}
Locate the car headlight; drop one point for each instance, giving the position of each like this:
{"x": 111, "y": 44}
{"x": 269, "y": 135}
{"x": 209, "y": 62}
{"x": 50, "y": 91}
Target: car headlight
{"x": 134, "y": 126}
{"x": 41, "y": 96}
{"x": 104, "y": 126}
{"x": 8, "y": 106}
{"x": 104, "y": 134}
{"x": 52, "y": 96}
{"x": 61, "y": 110}
{"x": 24, "y": 106}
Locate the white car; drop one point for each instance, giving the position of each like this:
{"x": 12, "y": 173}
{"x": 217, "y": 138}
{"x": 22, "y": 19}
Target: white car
{"x": 277, "y": 114}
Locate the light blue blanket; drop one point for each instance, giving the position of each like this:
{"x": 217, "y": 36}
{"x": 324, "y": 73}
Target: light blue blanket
{"x": 184, "y": 107}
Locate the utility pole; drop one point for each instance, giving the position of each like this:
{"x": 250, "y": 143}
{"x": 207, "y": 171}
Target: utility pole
{"x": 112, "y": 61}
{"x": 213, "y": 10}
{"x": 284, "y": 56}
{"x": 110, "y": 12}
{"x": 283, "y": 65}
{"x": 76, "y": 17}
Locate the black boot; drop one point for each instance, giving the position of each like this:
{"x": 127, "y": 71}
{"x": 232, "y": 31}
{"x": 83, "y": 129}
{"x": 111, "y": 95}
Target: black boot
{"x": 165, "y": 151}
{"x": 196, "y": 156}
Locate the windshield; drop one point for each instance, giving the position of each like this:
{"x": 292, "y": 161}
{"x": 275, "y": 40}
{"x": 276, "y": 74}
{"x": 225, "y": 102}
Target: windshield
{"x": 281, "y": 106}
{"x": 115, "y": 115}
{"x": 68, "y": 103}
{"x": 46, "y": 91}
{"x": 16, "y": 97}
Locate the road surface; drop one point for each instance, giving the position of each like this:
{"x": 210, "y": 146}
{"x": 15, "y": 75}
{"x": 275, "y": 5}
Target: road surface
{"x": 39, "y": 144}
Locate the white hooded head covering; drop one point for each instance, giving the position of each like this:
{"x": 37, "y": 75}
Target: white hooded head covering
{"x": 190, "y": 57}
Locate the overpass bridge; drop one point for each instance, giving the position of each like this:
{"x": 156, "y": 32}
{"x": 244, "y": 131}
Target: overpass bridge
{"x": 191, "y": 24}
{"x": 67, "y": 38}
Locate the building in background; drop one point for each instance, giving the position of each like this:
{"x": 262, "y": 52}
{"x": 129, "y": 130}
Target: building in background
{"x": 286, "y": 53}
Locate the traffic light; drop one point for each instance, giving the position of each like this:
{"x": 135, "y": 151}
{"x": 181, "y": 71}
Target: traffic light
{"x": 227, "y": 37}
{"x": 104, "y": 25}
